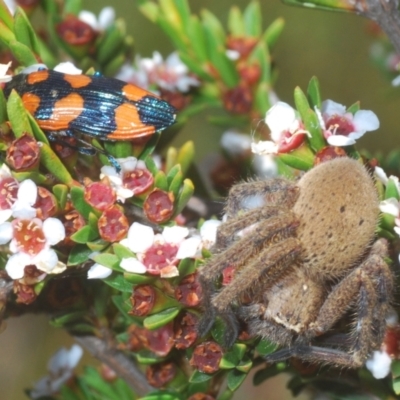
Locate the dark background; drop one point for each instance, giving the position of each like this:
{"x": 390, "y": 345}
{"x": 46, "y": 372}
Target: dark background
{"x": 333, "y": 46}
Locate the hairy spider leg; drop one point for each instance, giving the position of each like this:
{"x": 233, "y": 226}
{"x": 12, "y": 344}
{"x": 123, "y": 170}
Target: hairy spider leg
{"x": 373, "y": 281}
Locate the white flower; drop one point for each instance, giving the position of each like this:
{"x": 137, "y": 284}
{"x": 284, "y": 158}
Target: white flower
{"x": 60, "y": 368}
{"x": 12, "y": 5}
{"x": 98, "y": 271}
{"x": 287, "y": 131}
{"x": 171, "y": 74}
{"x": 115, "y": 178}
{"x": 342, "y": 128}
{"x": 31, "y": 241}
{"x": 391, "y": 206}
{"x": 67, "y": 68}
{"x": 106, "y": 18}
{"x": 3, "y": 73}
{"x": 379, "y": 364}
{"x": 235, "y": 143}
{"x": 156, "y": 254}
{"x": 381, "y": 175}
{"x": 26, "y": 198}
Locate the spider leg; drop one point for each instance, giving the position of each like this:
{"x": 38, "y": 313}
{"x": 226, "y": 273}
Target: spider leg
{"x": 371, "y": 285}
{"x": 242, "y": 195}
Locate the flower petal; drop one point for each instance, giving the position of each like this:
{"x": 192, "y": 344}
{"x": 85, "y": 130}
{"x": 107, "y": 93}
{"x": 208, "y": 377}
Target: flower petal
{"x": 53, "y": 230}
{"x": 208, "y": 231}
{"x": 6, "y": 232}
{"x": 188, "y": 248}
{"x": 169, "y": 272}
{"x": 264, "y": 147}
{"x": 365, "y": 121}
{"x": 175, "y": 234}
{"x": 98, "y": 271}
{"x": 340, "y": 140}
{"x": 235, "y": 143}
{"x": 88, "y": 18}
{"x": 280, "y": 118}
{"x": 140, "y": 238}
{"x": 330, "y": 107}
{"x": 106, "y": 18}
{"x": 16, "y": 265}
{"x": 47, "y": 261}
{"x": 379, "y": 364}
{"x": 390, "y": 206}
{"x": 67, "y": 68}
{"x": 132, "y": 264}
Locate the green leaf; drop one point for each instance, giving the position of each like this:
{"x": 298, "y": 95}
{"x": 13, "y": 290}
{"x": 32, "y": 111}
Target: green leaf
{"x": 245, "y": 366}
{"x": 123, "y": 306}
{"x": 78, "y": 200}
{"x": 122, "y": 251}
{"x": 302, "y": 158}
{"x": 3, "y": 108}
{"x": 252, "y": 19}
{"x": 239, "y": 349}
{"x": 197, "y": 40}
{"x": 150, "y": 146}
{"x": 314, "y": 93}
{"x": 265, "y": 347}
{"x": 185, "y": 156}
{"x": 22, "y": 53}
{"x": 108, "y": 260}
{"x": 198, "y": 377}
{"x": 160, "y": 181}
{"x": 84, "y": 235}
{"x": 161, "y": 395}
{"x": 260, "y": 54}
{"x": 391, "y": 190}
{"x": 24, "y": 32}
{"x": 18, "y": 115}
{"x": 272, "y": 33}
{"x": 228, "y": 361}
{"x": 72, "y": 7}
{"x": 111, "y": 42}
{"x": 160, "y": 319}
{"x": 176, "y": 183}
{"x": 354, "y": 108}
{"x": 65, "y": 319}
{"x": 138, "y": 279}
{"x": 37, "y": 132}
{"x": 195, "y": 67}
{"x": 151, "y": 165}
{"x": 61, "y": 193}
{"x": 235, "y": 379}
{"x": 184, "y": 196}
{"x": 118, "y": 282}
{"x": 79, "y": 254}
{"x": 5, "y": 15}
{"x": 235, "y": 22}
{"x": 146, "y": 357}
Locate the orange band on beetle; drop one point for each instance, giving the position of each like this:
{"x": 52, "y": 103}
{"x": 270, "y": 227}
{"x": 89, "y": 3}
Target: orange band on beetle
{"x": 135, "y": 93}
{"x": 36, "y": 77}
{"x": 78, "y": 81}
{"x": 31, "y": 102}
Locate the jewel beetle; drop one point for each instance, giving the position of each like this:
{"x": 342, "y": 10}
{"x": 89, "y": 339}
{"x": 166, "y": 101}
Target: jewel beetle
{"x": 105, "y": 108}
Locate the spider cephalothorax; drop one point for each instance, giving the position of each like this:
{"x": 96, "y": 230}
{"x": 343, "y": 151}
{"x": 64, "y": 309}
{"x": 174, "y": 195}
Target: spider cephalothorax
{"x": 305, "y": 257}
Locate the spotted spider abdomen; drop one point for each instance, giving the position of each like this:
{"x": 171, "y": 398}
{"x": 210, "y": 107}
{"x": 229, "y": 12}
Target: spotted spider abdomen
{"x": 338, "y": 209}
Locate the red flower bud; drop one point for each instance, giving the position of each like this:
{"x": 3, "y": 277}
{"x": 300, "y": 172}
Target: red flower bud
{"x": 206, "y": 357}
{"x": 23, "y": 154}
{"x": 159, "y": 375}
{"x": 189, "y": 291}
{"x": 99, "y": 195}
{"x": 159, "y": 206}
{"x": 113, "y": 225}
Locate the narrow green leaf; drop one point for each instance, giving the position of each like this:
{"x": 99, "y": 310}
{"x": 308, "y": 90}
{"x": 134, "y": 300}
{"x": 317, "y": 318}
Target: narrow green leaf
{"x": 261, "y": 98}
{"x": 118, "y": 282}
{"x": 78, "y": 200}
{"x": 252, "y": 19}
{"x": 170, "y": 159}
{"x": 195, "y": 66}
{"x": 391, "y": 190}
{"x": 266, "y": 347}
{"x": 24, "y": 31}
{"x": 198, "y": 377}
{"x": 184, "y": 196}
{"x": 160, "y": 181}
{"x": 235, "y": 22}
{"x": 22, "y": 53}
{"x": 301, "y": 102}
{"x": 151, "y": 165}
{"x": 161, "y": 396}
{"x": 178, "y": 39}
{"x": 3, "y": 108}
{"x": 122, "y": 251}
{"x": 149, "y": 9}
{"x": 272, "y": 33}
{"x": 312, "y": 125}
{"x": 354, "y": 108}
{"x": 314, "y": 93}
{"x": 61, "y": 193}
{"x": 37, "y": 132}
{"x": 18, "y": 115}
{"x": 214, "y": 27}
{"x": 235, "y": 379}
{"x": 65, "y": 319}
{"x": 198, "y": 42}
{"x": 172, "y": 172}
{"x": 111, "y": 41}
{"x": 186, "y": 156}
{"x": 138, "y": 279}
{"x": 108, "y": 260}
{"x": 5, "y": 16}
{"x": 160, "y": 319}
{"x": 301, "y": 158}
{"x": 146, "y": 357}
{"x": 79, "y": 254}
{"x": 262, "y": 57}
{"x": 245, "y": 366}
{"x": 84, "y": 235}
{"x": 176, "y": 183}
{"x": 72, "y": 7}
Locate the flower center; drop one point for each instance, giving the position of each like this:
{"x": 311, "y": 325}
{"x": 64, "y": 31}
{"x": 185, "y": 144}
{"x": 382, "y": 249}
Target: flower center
{"x": 8, "y": 193}
{"x": 159, "y": 256}
{"x": 29, "y": 236}
{"x": 339, "y": 125}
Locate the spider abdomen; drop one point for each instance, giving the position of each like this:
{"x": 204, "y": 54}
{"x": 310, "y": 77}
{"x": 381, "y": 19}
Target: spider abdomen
{"x": 338, "y": 209}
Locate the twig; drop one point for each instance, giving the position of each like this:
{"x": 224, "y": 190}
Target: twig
{"x": 386, "y": 14}
{"x": 117, "y": 361}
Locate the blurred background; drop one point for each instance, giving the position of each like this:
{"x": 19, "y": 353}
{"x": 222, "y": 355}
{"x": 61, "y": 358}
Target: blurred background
{"x": 333, "y": 46}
